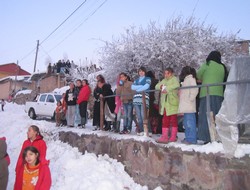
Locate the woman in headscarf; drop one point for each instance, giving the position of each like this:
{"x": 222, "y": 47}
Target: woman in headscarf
{"x": 212, "y": 71}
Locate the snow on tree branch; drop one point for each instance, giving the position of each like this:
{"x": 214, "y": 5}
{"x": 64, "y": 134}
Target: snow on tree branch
{"x": 179, "y": 43}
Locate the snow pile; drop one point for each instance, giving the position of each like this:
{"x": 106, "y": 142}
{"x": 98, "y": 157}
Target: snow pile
{"x": 69, "y": 168}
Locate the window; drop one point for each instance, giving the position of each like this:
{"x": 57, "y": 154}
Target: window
{"x": 50, "y": 98}
{"x": 42, "y": 98}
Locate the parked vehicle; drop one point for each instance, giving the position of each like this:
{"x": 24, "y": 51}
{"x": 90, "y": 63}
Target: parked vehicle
{"x": 43, "y": 106}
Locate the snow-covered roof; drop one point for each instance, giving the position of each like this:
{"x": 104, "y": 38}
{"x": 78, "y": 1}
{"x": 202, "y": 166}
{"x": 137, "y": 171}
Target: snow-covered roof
{"x": 23, "y": 92}
{"x": 18, "y": 78}
{"x": 60, "y": 90}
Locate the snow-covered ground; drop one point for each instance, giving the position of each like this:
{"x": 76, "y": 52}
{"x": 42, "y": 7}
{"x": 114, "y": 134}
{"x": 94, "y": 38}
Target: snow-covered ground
{"x": 69, "y": 168}
{"x": 72, "y": 170}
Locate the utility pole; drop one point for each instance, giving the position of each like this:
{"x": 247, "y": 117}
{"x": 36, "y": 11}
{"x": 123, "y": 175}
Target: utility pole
{"x": 37, "y": 48}
{"x": 16, "y": 73}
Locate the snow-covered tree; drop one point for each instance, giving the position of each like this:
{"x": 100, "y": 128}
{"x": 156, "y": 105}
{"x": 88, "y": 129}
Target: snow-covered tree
{"x": 179, "y": 43}
{"x": 87, "y": 70}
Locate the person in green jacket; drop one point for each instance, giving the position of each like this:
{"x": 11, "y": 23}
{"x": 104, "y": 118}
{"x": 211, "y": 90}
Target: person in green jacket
{"x": 169, "y": 103}
{"x": 213, "y": 71}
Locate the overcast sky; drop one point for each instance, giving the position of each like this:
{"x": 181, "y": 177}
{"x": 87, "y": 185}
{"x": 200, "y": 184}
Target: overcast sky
{"x": 23, "y": 22}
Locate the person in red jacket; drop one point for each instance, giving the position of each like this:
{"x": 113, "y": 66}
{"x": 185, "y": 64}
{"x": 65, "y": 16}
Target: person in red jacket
{"x": 34, "y": 139}
{"x": 82, "y": 100}
{"x": 34, "y": 173}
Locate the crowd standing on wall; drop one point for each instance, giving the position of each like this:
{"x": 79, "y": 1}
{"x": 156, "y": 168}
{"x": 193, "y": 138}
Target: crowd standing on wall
{"x": 164, "y": 102}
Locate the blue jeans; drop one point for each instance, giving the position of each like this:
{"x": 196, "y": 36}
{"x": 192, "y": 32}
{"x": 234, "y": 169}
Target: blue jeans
{"x": 128, "y": 113}
{"x": 190, "y": 127}
{"x": 140, "y": 116}
{"x": 77, "y": 115}
{"x": 203, "y": 128}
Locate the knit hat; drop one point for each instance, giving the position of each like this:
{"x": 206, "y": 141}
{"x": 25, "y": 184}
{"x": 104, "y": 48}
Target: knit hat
{"x": 142, "y": 69}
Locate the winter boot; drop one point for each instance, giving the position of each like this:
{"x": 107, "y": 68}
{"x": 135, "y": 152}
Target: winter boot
{"x": 173, "y": 134}
{"x": 164, "y": 136}
{"x": 107, "y": 126}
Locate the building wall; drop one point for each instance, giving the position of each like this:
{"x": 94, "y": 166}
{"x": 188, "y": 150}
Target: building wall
{"x": 8, "y": 86}
{"x": 49, "y": 83}
{"x": 243, "y": 47}
{"x": 5, "y": 89}
{"x": 2, "y": 75}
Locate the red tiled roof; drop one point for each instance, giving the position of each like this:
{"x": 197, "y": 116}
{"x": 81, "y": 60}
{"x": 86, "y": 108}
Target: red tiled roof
{"x": 13, "y": 69}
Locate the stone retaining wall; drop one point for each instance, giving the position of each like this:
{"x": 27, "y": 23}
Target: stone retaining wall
{"x": 171, "y": 168}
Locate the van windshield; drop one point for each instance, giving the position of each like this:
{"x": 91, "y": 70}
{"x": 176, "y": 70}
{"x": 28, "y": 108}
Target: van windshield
{"x": 58, "y": 97}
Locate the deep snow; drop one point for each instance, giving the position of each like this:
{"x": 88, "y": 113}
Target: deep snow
{"x": 69, "y": 168}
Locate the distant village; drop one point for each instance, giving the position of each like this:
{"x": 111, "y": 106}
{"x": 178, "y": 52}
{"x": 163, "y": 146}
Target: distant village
{"x": 14, "y": 79}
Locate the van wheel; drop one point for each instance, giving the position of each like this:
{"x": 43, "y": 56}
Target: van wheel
{"x": 32, "y": 113}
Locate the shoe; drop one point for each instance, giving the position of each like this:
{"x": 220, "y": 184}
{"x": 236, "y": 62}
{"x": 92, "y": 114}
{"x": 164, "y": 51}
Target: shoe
{"x": 185, "y": 142}
{"x": 117, "y": 131}
{"x": 124, "y": 132}
{"x": 71, "y": 126}
{"x": 106, "y": 128}
{"x": 137, "y": 129}
{"x": 113, "y": 129}
{"x": 140, "y": 134}
{"x": 150, "y": 134}
{"x": 83, "y": 126}
{"x": 96, "y": 128}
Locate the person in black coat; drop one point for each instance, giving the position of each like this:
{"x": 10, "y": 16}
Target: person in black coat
{"x": 96, "y": 112}
{"x": 109, "y": 104}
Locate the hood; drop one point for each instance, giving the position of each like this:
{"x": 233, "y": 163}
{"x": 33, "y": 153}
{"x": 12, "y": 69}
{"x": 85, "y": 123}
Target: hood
{"x": 38, "y": 137}
{"x": 3, "y": 147}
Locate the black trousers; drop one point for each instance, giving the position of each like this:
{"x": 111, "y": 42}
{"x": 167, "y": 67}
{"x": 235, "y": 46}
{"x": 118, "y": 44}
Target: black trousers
{"x": 83, "y": 112}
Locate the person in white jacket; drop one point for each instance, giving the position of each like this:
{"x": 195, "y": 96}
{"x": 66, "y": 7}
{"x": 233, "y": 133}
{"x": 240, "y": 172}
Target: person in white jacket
{"x": 187, "y": 103}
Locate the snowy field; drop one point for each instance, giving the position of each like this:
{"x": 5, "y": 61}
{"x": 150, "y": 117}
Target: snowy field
{"x": 72, "y": 170}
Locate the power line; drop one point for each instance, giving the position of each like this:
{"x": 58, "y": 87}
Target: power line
{"x": 63, "y": 21}
{"x": 45, "y": 51}
{"x": 88, "y": 17}
{"x": 28, "y": 54}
